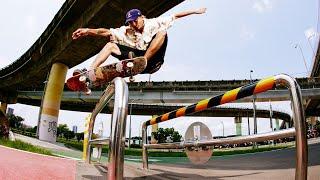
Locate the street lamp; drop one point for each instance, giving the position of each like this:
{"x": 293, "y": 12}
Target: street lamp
{"x": 271, "y": 114}
{"x": 255, "y": 129}
{"x": 311, "y": 33}
{"x": 130, "y": 121}
{"x": 222, "y": 128}
{"x": 304, "y": 59}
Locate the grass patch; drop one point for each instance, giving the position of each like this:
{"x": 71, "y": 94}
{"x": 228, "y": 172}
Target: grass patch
{"x": 17, "y": 144}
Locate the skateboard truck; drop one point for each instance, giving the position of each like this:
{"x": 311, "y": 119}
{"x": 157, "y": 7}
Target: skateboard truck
{"x": 130, "y": 66}
{"x": 83, "y": 79}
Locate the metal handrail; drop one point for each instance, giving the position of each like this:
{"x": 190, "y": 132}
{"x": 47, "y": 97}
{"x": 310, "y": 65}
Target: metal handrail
{"x": 99, "y": 141}
{"x": 248, "y": 90}
{"x": 119, "y": 88}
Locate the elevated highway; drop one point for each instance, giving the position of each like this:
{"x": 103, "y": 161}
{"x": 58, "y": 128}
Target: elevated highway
{"x": 175, "y": 92}
{"x": 55, "y": 45}
{"x": 314, "y": 104}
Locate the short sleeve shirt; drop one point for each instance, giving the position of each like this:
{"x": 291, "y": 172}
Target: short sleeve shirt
{"x": 128, "y": 37}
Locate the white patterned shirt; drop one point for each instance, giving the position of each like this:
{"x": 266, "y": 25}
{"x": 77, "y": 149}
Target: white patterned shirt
{"x": 128, "y": 37}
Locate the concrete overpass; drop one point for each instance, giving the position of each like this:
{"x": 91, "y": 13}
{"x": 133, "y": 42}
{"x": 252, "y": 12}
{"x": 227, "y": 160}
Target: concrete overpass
{"x": 176, "y": 92}
{"x": 55, "y": 45}
{"x": 314, "y": 104}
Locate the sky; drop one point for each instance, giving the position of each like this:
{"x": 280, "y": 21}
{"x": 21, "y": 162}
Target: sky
{"x": 225, "y": 43}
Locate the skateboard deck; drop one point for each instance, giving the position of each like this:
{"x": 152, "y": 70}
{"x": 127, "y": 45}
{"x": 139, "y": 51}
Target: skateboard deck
{"x": 83, "y": 80}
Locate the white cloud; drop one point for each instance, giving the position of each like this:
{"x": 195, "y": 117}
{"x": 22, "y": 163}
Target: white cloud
{"x": 262, "y": 6}
{"x": 246, "y": 33}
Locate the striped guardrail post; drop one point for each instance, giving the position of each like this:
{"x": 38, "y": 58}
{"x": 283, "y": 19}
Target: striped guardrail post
{"x": 241, "y": 92}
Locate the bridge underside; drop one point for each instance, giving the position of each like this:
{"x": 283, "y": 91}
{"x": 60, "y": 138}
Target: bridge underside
{"x": 56, "y": 45}
{"x": 141, "y": 109}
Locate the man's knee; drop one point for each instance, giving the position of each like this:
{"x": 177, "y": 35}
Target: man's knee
{"x": 113, "y": 47}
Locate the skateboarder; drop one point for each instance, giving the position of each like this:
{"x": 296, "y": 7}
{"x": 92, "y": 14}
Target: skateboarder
{"x": 140, "y": 35}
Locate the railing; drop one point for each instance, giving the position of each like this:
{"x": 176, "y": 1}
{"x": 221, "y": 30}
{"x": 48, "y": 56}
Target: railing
{"x": 118, "y": 126}
{"x": 248, "y": 90}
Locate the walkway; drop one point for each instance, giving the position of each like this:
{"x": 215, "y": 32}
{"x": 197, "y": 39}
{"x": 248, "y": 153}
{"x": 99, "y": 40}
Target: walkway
{"x": 20, "y": 165}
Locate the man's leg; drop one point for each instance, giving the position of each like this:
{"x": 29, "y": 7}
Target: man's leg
{"x": 155, "y": 44}
{"x": 105, "y": 53}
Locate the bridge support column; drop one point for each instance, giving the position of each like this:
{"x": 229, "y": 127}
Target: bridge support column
{"x": 154, "y": 129}
{"x": 238, "y": 121}
{"x": 277, "y": 125}
{"x": 3, "y": 107}
{"x": 51, "y": 103}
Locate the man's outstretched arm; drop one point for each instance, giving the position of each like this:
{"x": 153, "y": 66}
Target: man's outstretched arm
{"x": 81, "y": 32}
{"x": 187, "y": 13}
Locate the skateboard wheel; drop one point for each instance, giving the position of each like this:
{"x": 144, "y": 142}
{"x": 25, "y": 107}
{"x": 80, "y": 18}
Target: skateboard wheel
{"x": 130, "y": 64}
{"x": 88, "y": 92}
{"x": 82, "y": 78}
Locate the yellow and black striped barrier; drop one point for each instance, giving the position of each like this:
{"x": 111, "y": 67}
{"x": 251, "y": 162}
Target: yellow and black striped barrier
{"x": 229, "y": 96}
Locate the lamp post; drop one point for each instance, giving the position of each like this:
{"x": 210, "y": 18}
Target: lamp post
{"x": 255, "y": 126}
{"x": 130, "y": 121}
{"x": 248, "y": 125}
{"x": 255, "y": 129}
{"x": 304, "y": 59}
{"x": 311, "y": 33}
{"x": 222, "y": 128}
{"x": 271, "y": 114}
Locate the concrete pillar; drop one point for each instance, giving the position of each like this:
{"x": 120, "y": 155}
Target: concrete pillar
{"x": 154, "y": 129}
{"x": 238, "y": 121}
{"x": 51, "y": 103}
{"x": 3, "y": 107}
{"x": 277, "y": 125}
{"x": 313, "y": 122}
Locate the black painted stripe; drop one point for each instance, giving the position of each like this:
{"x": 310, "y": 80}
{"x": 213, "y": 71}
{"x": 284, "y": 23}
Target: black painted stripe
{"x": 190, "y": 109}
{"x": 172, "y": 115}
{"x": 158, "y": 119}
{"x": 215, "y": 101}
{"x": 246, "y": 91}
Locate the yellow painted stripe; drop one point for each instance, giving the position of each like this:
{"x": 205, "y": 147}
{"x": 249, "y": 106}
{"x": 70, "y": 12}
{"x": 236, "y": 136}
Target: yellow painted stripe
{"x": 50, "y": 111}
{"x": 264, "y": 85}
{"x": 202, "y": 105}
{"x": 165, "y": 117}
{"x": 230, "y": 96}
{"x": 181, "y": 112}
{"x": 153, "y": 121}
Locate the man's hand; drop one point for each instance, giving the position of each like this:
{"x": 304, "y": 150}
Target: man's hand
{"x": 80, "y": 33}
{"x": 200, "y": 11}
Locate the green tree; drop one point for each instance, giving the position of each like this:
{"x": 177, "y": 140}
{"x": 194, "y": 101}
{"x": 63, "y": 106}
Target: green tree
{"x": 62, "y": 129}
{"x": 15, "y": 121}
{"x": 162, "y": 134}
{"x": 80, "y": 136}
{"x": 68, "y": 135}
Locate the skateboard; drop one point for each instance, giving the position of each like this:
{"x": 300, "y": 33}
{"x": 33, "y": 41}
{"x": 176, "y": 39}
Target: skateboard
{"x": 83, "y": 80}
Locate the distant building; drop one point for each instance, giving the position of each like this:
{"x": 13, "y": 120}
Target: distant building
{"x": 10, "y": 111}
{"x": 75, "y": 129}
